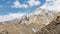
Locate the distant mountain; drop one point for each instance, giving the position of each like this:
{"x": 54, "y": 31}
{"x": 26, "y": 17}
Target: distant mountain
{"x": 41, "y": 16}
{"x": 29, "y": 23}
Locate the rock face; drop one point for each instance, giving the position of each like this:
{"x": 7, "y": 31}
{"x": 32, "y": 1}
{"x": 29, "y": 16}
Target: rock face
{"x": 40, "y": 19}
{"x": 52, "y": 28}
{"x": 39, "y": 16}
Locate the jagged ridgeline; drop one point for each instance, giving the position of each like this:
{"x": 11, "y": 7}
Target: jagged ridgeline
{"x": 52, "y": 28}
{"x": 35, "y": 23}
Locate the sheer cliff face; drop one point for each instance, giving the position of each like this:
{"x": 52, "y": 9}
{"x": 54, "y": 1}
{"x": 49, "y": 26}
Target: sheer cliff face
{"x": 52, "y": 28}
{"x": 41, "y": 17}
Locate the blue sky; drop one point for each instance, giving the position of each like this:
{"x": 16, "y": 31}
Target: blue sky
{"x": 16, "y": 6}
{"x": 11, "y": 9}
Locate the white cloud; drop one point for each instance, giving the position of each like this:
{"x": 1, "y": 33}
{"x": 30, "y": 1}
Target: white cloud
{"x": 33, "y": 2}
{"x": 17, "y": 4}
{"x": 55, "y": 5}
{"x": 11, "y": 16}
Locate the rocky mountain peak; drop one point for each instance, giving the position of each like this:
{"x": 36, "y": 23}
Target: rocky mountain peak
{"x": 30, "y": 23}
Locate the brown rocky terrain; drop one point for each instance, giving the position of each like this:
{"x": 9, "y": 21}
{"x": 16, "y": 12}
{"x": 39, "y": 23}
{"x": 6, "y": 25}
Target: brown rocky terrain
{"x": 52, "y": 28}
{"x": 37, "y": 23}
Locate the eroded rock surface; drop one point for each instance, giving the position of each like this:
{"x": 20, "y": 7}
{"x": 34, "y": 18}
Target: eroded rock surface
{"x": 52, "y": 28}
{"x": 40, "y": 22}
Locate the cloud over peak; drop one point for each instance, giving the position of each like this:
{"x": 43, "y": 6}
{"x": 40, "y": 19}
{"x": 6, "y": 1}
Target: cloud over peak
{"x": 52, "y": 5}
{"x": 11, "y": 16}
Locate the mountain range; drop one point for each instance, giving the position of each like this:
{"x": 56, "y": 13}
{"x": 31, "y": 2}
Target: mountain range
{"x": 28, "y": 23}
